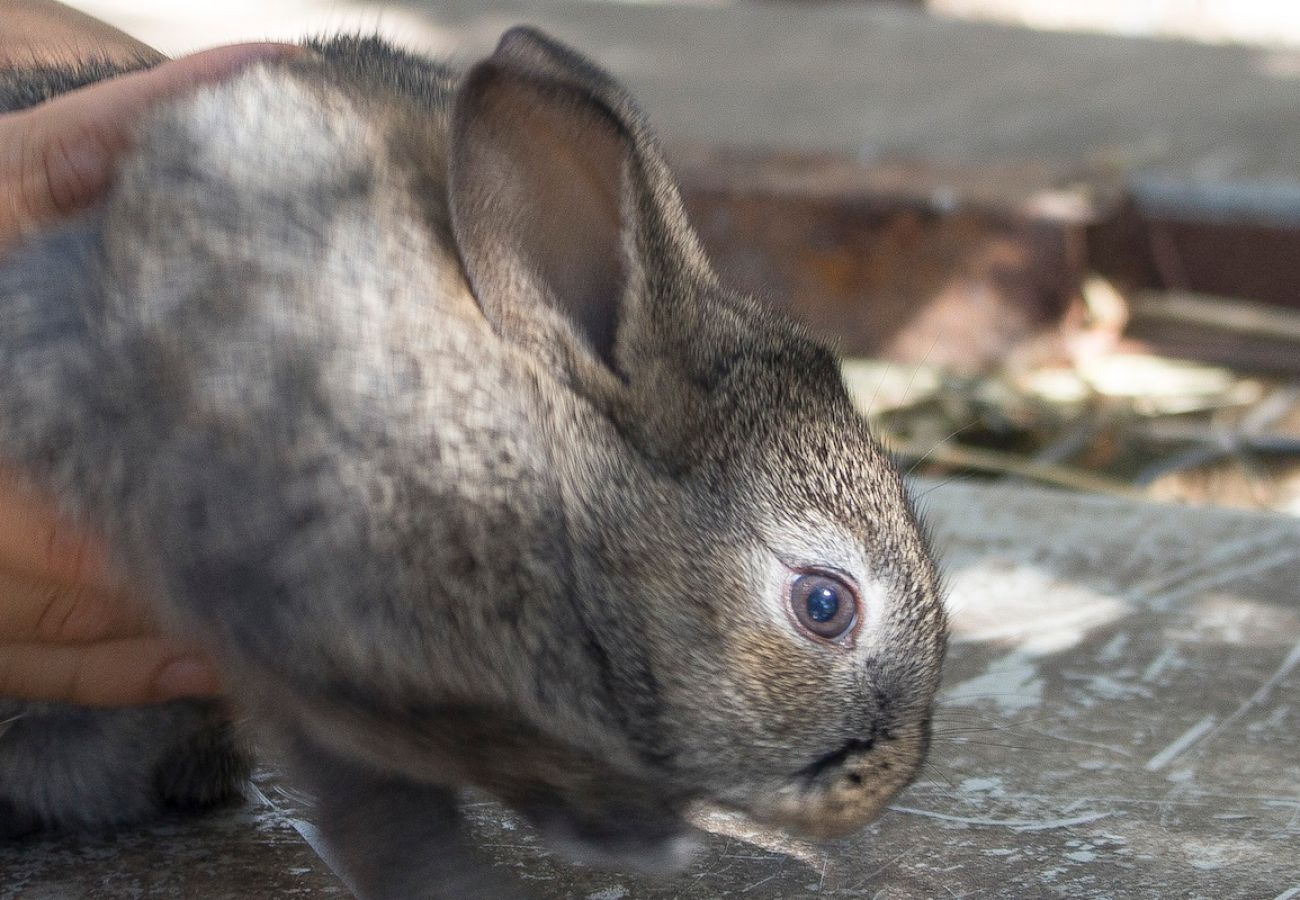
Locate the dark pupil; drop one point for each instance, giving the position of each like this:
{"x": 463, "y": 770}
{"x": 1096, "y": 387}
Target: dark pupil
{"x": 823, "y": 604}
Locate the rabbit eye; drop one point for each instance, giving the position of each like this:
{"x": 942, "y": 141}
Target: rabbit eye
{"x": 823, "y": 604}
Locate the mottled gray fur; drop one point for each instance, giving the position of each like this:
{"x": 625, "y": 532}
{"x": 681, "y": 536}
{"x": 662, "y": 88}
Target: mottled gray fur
{"x": 410, "y": 392}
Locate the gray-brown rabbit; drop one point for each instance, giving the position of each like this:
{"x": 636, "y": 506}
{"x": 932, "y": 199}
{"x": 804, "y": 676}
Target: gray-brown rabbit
{"x": 410, "y": 392}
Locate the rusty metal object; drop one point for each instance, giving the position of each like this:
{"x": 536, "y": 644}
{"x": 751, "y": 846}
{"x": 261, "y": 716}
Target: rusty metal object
{"x": 1245, "y": 255}
{"x": 958, "y": 268}
{"x": 977, "y": 268}
{"x": 1240, "y": 257}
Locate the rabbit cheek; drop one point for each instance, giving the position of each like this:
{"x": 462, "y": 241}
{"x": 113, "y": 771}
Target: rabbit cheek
{"x": 797, "y": 690}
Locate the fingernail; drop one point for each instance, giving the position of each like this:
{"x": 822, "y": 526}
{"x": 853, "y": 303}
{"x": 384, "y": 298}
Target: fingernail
{"x": 187, "y": 676}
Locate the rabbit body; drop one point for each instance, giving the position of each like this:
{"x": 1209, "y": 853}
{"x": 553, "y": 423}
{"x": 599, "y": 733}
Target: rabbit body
{"x": 409, "y": 391}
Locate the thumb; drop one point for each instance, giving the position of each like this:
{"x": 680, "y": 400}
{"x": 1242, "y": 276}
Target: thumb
{"x": 58, "y": 157}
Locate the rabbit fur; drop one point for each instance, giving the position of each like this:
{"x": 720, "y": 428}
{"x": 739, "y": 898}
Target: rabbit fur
{"x": 410, "y": 393}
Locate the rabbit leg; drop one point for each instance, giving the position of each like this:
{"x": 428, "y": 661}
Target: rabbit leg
{"x": 395, "y": 839}
{"x": 209, "y": 767}
{"x": 17, "y": 821}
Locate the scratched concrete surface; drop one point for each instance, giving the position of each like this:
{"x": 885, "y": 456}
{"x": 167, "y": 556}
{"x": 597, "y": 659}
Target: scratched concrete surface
{"x": 1119, "y": 719}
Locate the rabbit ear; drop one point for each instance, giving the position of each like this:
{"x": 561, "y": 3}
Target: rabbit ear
{"x": 529, "y": 50}
{"x": 558, "y": 195}
{"x": 536, "y": 192}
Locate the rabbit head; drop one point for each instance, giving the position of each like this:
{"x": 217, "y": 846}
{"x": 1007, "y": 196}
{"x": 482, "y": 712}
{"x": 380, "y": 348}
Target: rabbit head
{"x": 745, "y": 562}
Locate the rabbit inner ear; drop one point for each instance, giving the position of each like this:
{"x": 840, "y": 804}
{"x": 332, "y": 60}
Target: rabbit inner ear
{"x": 536, "y": 194}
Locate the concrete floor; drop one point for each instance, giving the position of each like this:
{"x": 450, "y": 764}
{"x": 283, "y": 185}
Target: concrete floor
{"x": 1120, "y": 719}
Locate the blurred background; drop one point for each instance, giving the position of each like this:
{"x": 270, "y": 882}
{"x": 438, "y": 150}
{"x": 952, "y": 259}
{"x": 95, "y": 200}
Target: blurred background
{"x": 1057, "y": 240}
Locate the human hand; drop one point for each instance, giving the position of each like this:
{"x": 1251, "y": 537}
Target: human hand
{"x": 58, "y": 158}
{"x": 69, "y": 630}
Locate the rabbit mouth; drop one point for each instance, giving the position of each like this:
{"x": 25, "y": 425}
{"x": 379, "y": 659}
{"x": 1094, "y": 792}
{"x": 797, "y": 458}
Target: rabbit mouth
{"x": 841, "y": 791}
{"x": 837, "y": 758}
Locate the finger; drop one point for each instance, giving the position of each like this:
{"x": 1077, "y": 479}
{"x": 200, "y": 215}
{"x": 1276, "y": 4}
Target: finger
{"x": 41, "y": 545}
{"x": 58, "y": 157}
{"x": 48, "y": 612}
{"x": 42, "y": 33}
{"x": 114, "y": 673}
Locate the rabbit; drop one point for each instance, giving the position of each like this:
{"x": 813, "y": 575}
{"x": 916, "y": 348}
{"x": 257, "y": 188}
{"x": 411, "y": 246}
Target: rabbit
{"x": 410, "y": 393}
